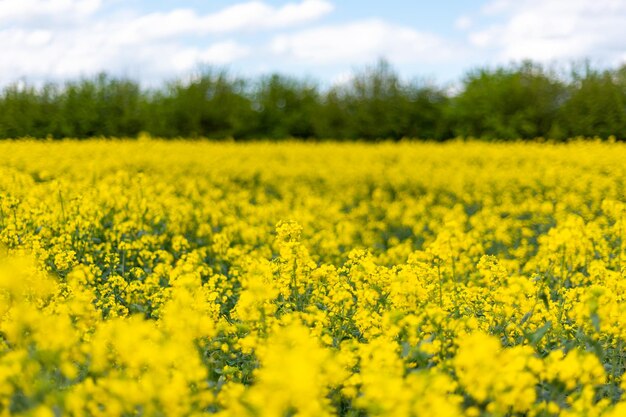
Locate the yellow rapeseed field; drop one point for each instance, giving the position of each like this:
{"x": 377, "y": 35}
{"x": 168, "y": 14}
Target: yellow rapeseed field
{"x": 153, "y": 278}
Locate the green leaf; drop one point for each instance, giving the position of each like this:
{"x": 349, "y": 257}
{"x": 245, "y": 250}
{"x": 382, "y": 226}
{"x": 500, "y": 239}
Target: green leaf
{"x": 538, "y": 334}
{"x": 595, "y": 320}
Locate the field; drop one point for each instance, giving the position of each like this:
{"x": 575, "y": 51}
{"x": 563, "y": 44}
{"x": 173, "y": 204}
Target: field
{"x": 154, "y": 278}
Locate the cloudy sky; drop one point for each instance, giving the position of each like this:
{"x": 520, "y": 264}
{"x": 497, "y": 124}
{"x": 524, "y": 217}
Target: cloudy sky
{"x": 323, "y": 39}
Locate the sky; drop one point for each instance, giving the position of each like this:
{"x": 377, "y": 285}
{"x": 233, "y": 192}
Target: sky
{"x": 326, "y": 40}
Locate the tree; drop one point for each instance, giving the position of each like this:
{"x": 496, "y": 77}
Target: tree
{"x": 286, "y": 107}
{"x": 519, "y": 101}
{"x": 596, "y": 105}
{"x": 210, "y": 105}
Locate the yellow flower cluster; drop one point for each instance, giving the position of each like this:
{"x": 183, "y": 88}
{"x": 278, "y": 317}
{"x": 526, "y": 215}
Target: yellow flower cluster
{"x": 153, "y": 278}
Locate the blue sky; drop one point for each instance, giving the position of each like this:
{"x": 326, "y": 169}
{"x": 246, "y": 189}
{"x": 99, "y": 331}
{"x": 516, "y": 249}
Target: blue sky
{"x": 326, "y": 40}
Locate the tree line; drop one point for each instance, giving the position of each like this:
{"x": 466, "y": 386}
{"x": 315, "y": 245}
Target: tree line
{"x": 517, "y": 101}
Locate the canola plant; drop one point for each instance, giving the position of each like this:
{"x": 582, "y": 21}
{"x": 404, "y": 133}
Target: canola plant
{"x": 153, "y": 278}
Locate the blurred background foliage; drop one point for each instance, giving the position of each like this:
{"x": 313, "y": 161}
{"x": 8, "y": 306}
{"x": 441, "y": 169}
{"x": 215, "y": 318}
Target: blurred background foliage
{"x": 518, "y": 101}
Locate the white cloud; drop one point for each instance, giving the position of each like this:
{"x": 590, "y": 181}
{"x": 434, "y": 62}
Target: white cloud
{"x": 244, "y": 17}
{"x": 218, "y": 53}
{"x": 360, "y": 42}
{"x": 44, "y": 39}
{"x": 494, "y": 7}
{"x": 548, "y": 30}
{"x": 463, "y": 23}
{"x": 28, "y": 10}
{"x": 43, "y": 55}
{"x": 257, "y": 15}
